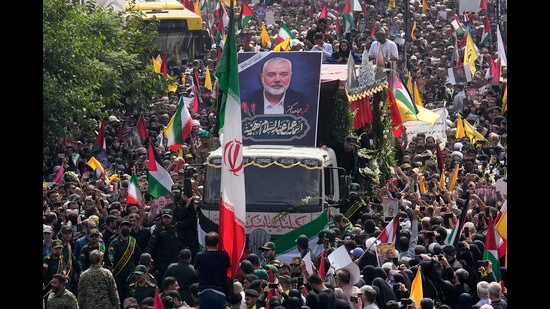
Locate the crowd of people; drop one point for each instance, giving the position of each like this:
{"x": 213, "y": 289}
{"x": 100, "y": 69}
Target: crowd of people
{"x": 90, "y": 231}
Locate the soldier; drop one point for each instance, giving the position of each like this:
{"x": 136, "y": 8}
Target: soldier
{"x": 53, "y": 263}
{"x": 185, "y": 218}
{"x": 60, "y": 297}
{"x": 184, "y": 272}
{"x": 71, "y": 266}
{"x": 94, "y": 243}
{"x": 141, "y": 288}
{"x": 124, "y": 254}
{"x": 164, "y": 244}
{"x": 97, "y": 286}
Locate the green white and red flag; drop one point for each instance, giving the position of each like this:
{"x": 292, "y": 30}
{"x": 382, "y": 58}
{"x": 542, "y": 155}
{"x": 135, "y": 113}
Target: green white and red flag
{"x": 159, "y": 180}
{"x": 232, "y": 190}
{"x": 284, "y": 33}
{"x": 134, "y": 192}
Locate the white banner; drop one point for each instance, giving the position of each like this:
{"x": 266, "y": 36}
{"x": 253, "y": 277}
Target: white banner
{"x": 437, "y": 130}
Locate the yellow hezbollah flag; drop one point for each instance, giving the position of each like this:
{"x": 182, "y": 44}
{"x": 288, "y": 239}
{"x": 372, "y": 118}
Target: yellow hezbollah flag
{"x": 421, "y": 183}
{"x": 416, "y": 287}
{"x": 459, "y": 127}
{"x": 470, "y": 53}
{"x": 156, "y": 64}
{"x": 409, "y": 83}
{"x": 452, "y": 183}
{"x": 417, "y": 98}
{"x": 504, "y": 100}
{"x": 472, "y": 134}
{"x": 265, "y": 37}
{"x": 283, "y": 46}
{"x": 442, "y": 179}
{"x": 207, "y": 80}
{"x": 96, "y": 166}
{"x": 413, "y": 37}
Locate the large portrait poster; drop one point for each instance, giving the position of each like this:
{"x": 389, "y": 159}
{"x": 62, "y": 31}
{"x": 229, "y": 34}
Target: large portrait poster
{"x": 280, "y": 97}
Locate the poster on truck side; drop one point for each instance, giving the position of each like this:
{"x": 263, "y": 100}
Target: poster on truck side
{"x": 280, "y": 97}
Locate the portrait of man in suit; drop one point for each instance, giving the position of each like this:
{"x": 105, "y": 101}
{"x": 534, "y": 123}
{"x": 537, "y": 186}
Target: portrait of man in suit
{"x": 275, "y": 96}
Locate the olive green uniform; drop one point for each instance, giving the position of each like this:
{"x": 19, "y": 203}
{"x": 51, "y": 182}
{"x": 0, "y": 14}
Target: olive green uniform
{"x": 141, "y": 292}
{"x": 115, "y": 252}
{"x": 164, "y": 247}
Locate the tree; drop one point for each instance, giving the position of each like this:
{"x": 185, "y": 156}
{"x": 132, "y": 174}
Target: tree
{"x": 95, "y": 61}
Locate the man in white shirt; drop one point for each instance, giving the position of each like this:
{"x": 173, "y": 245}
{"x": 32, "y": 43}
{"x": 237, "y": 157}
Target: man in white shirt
{"x": 388, "y": 47}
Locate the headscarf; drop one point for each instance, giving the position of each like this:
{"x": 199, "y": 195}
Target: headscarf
{"x": 386, "y": 292}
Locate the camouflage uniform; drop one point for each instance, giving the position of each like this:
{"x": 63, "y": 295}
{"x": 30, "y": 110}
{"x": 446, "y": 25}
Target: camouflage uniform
{"x": 62, "y": 300}
{"x": 97, "y": 289}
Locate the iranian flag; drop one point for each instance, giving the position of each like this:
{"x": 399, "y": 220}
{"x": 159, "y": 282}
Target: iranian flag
{"x": 247, "y": 14}
{"x": 388, "y": 233}
{"x": 486, "y": 36}
{"x": 491, "y": 250}
{"x": 232, "y": 190}
{"x": 457, "y": 26}
{"x": 347, "y": 14}
{"x": 286, "y": 244}
{"x": 284, "y": 33}
{"x": 134, "y": 193}
{"x": 180, "y": 126}
{"x": 160, "y": 182}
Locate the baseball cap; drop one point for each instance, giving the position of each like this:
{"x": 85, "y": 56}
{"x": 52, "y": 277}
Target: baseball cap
{"x": 47, "y": 229}
{"x": 145, "y": 259}
{"x": 302, "y": 240}
{"x": 176, "y": 187}
{"x": 94, "y": 232}
{"x": 140, "y": 269}
{"x": 357, "y": 252}
{"x": 66, "y": 228}
{"x": 57, "y": 243}
{"x": 268, "y": 246}
{"x": 167, "y": 212}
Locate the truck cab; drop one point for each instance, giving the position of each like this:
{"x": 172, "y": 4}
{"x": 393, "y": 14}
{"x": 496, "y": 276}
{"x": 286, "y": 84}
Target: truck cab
{"x": 286, "y": 187}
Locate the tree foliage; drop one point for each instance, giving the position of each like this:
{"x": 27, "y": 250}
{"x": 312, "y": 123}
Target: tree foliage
{"x": 95, "y": 61}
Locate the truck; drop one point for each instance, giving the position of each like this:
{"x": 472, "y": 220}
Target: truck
{"x": 289, "y": 178}
{"x": 286, "y": 187}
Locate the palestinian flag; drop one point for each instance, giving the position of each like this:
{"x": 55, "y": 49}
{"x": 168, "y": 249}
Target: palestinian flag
{"x": 160, "y": 182}
{"x": 347, "y": 14}
{"x": 134, "y": 193}
{"x": 247, "y": 14}
{"x": 284, "y": 33}
{"x": 486, "y": 36}
{"x": 286, "y": 244}
{"x": 491, "y": 250}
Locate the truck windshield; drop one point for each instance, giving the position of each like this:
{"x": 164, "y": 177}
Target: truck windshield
{"x": 284, "y": 187}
